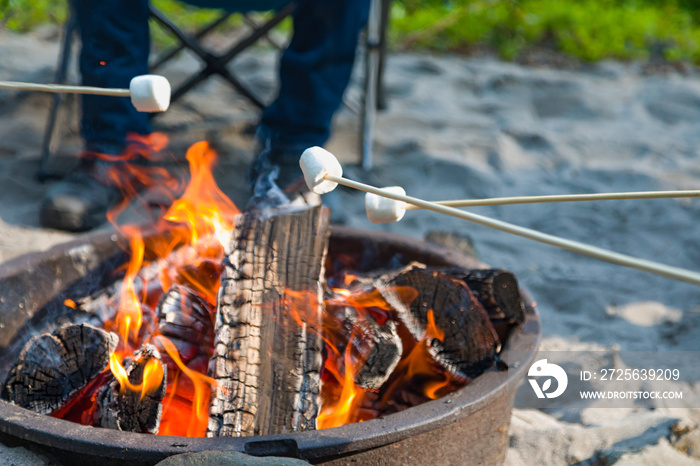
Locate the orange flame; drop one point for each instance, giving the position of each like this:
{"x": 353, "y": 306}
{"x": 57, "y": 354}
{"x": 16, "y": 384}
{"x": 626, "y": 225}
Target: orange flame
{"x": 343, "y": 401}
{"x": 432, "y": 330}
{"x": 433, "y": 389}
{"x": 118, "y": 371}
{"x": 362, "y": 298}
{"x": 205, "y": 218}
{"x": 203, "y": 207}
{"x": 188, "y": 246}
{"x": 346, "y": 408}
{"x": 152, "y": 376}
{"x": 129, "y": 317}
{"x": 416, "y": 374}
{"x": 197, "y": 414}
{"x": 131, "y": 175}
{"x": 419, "y": 369}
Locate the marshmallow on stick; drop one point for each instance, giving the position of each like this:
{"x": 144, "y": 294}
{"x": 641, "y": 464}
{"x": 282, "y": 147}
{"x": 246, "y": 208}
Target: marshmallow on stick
{"x": 316, "y": 164}
{"x": 320, "y": 166}
{"x": 389, "y": 210}
{"x": 149, "y": 93}
{"x": 381, "y": 209}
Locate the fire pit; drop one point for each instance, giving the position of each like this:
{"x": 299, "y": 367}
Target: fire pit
{"x": 468, "y": 424}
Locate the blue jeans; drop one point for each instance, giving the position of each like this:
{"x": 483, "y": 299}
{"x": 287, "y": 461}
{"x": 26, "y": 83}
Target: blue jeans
{"x": 314, "y": 70}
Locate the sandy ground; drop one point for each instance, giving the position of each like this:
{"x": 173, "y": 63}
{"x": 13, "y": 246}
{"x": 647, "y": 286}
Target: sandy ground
{"x": 472, "y": 128}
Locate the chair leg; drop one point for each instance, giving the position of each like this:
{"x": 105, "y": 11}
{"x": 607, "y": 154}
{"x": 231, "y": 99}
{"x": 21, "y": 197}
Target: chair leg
{"x": 384, "y": 26}
{"x": 44, "y": 173}
{"x": 369, "y": 104}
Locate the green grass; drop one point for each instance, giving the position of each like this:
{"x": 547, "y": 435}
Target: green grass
{"x": 587, "y": 29}
{"x": 23, "y": 15}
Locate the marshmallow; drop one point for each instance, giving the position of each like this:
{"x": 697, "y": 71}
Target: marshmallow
{"x": 316, "y": 163}
{"x": 381, "y": 209}
{"x": 150, "y": 93}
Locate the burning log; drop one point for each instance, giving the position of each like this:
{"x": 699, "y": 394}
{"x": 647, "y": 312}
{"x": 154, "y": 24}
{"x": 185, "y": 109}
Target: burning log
{"x": 132, "y": 401}
{"x": 497, "y": 290}
{"x": 187, "y": 320}
{"x": 266, "y": 358}
{"x": 464, "y": 341}
{"x": 52, "y": 367}
{"x": 379, "y": 346}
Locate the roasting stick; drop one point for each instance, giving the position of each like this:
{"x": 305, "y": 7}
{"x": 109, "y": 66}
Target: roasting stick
{"x": 323, "y": 173}
{"x": 564, "y": 198}
{"x": 64, "y": 89}
{"x": 385, "y": 210}
{"x": 149, "y": 93}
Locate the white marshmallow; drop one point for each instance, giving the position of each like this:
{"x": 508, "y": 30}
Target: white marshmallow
{"x": 150, "y": 93}
{"x": 316, "y": 162}
{"x": 381, "y": 209}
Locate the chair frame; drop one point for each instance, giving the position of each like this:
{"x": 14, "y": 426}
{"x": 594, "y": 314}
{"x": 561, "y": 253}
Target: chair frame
{"x": 216, "y": 64}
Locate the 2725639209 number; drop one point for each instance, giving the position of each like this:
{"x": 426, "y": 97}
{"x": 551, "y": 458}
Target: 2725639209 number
{"x": 639, "y": 374}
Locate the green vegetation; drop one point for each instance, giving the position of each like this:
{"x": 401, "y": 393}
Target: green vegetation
{"x": 588, "y": 29}
{"x": 22, "y": 15}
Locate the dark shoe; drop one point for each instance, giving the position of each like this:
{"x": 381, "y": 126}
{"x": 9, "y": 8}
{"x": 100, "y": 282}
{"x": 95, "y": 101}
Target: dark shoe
{"x": 81, "y": 201}
{"x": 276, "y": 179}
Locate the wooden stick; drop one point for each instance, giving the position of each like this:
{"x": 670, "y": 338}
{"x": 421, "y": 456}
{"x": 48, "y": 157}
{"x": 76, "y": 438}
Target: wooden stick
{"x": 64, "y": 89}
{"x": 574, "y": 246}
{"x": 564, "y": 198}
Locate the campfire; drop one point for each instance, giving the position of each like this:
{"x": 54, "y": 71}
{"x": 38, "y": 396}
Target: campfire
{"x": 225, "y": 323}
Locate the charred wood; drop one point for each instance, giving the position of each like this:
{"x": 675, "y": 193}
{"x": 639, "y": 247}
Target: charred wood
{"x": 134, "y": 410}
{"x": 497, "y": 290}
{"x": 185, "y": 267}
{"x": 378, "y": 347}
{"x": 267, "y": 359}
{"x": 52, "y": 367}
{"x": 187, "y": 320}
{"x": 469, "y": 344}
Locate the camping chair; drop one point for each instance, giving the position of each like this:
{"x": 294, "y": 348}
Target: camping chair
{"x": 216, "y": 63}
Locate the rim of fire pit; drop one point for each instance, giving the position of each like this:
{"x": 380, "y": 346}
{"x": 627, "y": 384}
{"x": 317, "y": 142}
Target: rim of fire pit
{"x": 22, "y": 425}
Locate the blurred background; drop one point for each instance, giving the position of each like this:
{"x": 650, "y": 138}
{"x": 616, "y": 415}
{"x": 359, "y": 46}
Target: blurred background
{"x": 588, "y": 30}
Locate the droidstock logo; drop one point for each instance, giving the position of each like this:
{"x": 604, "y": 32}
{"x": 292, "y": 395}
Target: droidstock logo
{"x": 542, "y": 368}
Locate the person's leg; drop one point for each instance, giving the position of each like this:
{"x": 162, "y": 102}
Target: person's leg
{"x": 314, "y": 73}
{"x": 115, "y": 46}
